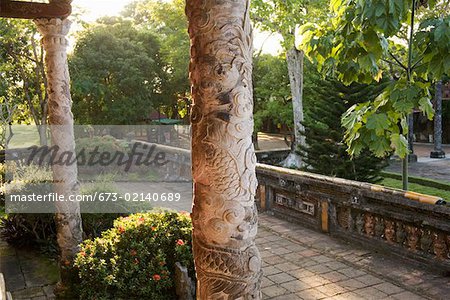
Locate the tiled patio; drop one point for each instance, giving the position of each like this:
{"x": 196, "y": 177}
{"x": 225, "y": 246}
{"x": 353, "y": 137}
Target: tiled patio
{"x": 298, "y": 264}
{"x": 303, "y": 264}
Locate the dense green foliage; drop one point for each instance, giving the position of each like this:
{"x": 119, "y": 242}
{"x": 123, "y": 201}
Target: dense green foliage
{"x": 116, "y": 74}
{"x": 23, "y": 95}
{"x": 366, "y": 37}
{"x": 271, "y": 94}
{"x": 168, "y": 20}
{"x": 136, "y": 258}
{"x": 325, "y": 152}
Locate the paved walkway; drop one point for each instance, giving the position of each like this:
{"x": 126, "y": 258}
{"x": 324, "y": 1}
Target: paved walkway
{"x": 298, "y": 263}
{"x": 28, "y": 275}
{"x": 426, "y": 167}
{"x": 303, "y": 264}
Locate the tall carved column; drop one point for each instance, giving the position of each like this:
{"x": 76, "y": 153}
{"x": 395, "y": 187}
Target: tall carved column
{"x": 68, "y": 218}
{"x": 224, "y": 216}
{"x": 412, "y": 157}
{"x": 437, "y": 151}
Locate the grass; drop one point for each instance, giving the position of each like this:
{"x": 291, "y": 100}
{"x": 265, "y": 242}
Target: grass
{"x": 414, "y": 187}
{"x": 24, "y": 136}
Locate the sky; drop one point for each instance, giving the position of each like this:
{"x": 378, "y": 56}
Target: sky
{"x": 93, "y": 9}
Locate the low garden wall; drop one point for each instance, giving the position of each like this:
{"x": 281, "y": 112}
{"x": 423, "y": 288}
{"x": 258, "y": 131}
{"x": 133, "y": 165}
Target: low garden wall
{"x": 403, "y": 223}
{"x": 273, "y": 156}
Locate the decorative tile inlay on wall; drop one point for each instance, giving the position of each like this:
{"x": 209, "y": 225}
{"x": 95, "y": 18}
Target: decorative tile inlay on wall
{"x": 299, "y": 205}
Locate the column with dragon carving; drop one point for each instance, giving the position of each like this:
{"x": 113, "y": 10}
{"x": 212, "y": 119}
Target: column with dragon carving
{"x": 224, "y": 216}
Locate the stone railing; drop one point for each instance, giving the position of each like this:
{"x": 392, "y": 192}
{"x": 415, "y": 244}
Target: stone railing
{"x": 403, "y": 223}
{"x": 178, "y": 160}
{"x": 273, "y": 156}
{"x": 176, "y": 167}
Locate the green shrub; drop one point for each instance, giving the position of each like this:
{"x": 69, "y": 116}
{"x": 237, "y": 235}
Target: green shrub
{"x": 105, "y": 143}
{"x": 102, "y": 144}
{"x": 136, "y": 258}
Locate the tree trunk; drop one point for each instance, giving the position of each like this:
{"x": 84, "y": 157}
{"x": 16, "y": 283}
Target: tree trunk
{"x": 255, "y": 140}
{"x": 438, "y": 152}
{"x": 224, "y": 214}
{"x": 42, "y": 130}
{"x": 68, "y": 218}
{"x": 294, "y": 60}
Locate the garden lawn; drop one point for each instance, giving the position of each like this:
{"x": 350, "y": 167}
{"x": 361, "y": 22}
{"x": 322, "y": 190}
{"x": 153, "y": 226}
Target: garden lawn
{"x": 414, "y": 187}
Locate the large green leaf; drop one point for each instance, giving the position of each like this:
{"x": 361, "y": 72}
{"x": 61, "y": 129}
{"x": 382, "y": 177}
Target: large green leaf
{"x": 400, "y": 144}
{"x": 378, "y": 122}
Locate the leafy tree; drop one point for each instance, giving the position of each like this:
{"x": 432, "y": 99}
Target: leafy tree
{"x": 117, "y": 73}
{"x": 363, "y": 38}
{"x": 272, "y": 98}
{"x": 271, "y": 92}
{"x": 168, "y": 21}
{"x": 22, "y": 76}
{"x": 325, "y": 153}
{"x": 282, "y": 17}
{"x": 357, "y": 46}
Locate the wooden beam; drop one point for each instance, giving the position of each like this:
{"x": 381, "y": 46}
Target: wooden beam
{"x": 35, "y": 10}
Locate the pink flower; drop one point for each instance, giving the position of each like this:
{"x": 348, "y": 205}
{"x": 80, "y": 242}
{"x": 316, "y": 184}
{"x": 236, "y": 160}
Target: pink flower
{"x": 156, "y": 277}
{"x": 180, "y": 243}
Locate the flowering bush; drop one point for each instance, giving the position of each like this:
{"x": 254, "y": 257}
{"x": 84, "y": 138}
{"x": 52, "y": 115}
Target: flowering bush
{"x": 136, "y": 258}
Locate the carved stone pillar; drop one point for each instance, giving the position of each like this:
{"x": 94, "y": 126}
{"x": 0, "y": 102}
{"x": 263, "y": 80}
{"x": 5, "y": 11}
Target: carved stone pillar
{"x": 224, "y": 214}
{"x": 412, "y": 157}
{"x": 68, "y": 218}
{"x": 437, "y": 151}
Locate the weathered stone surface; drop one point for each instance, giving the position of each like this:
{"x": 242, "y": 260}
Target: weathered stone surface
{"x": 30, "y": 10}
{"x": 224, "y": 214}
{"x": 438, "y": 152}
{"x": 68, "y": 218}
{"x": 185, "y": 288}
{"x": 404, "y": 223}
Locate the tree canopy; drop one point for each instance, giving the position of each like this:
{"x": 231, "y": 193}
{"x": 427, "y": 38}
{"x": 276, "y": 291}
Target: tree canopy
{"x": 362, "y": 42}
{"x": 117, "y": 73}
{"x": 168, "y": 21}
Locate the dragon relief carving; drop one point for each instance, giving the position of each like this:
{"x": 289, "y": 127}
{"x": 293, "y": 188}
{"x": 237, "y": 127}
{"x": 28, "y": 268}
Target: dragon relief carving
{"x": 224, "y": 214}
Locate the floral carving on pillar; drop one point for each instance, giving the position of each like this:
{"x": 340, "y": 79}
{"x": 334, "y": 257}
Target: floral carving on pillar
{"x": 68, "y": 219}
{"x": 224, "y": 216}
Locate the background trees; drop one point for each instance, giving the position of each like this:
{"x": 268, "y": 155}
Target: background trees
{"x": 117, "y": 73}
{"x": 367, "y": 37}
{"x": 325, "y": 153}
{"x": 283, "y": 17}
{"x": 168, "y": 21}
{"x": 22, "y": 77}
{"x": 272, "y": 98}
